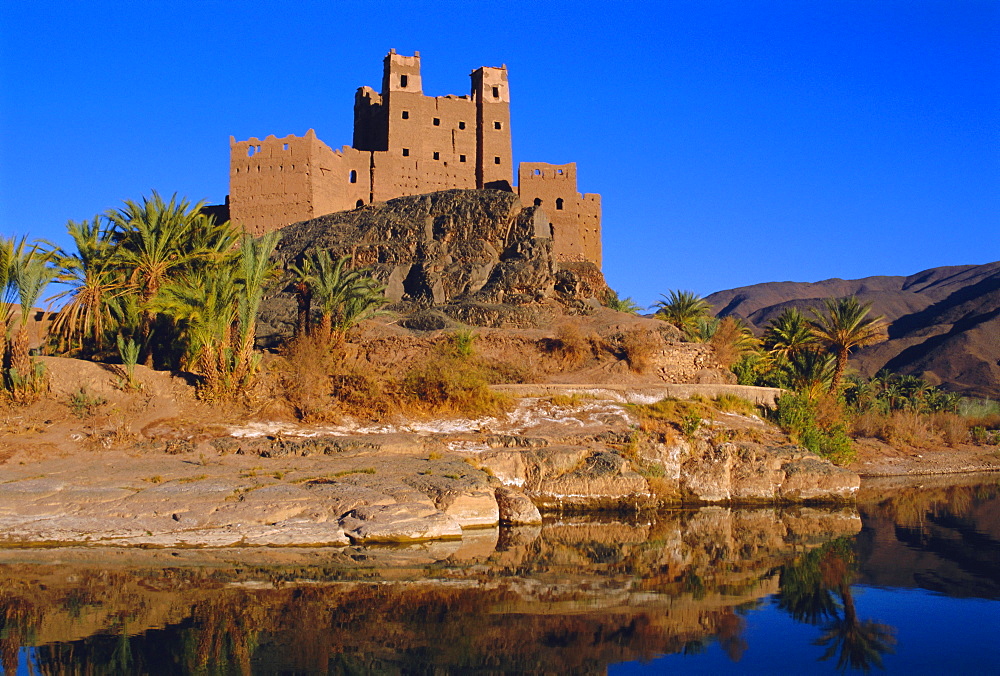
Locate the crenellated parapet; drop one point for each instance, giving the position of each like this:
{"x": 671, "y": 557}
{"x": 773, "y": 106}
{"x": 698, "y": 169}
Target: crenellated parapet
{"x": 406, "y": 143}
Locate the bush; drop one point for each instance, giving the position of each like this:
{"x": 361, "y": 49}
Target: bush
{"x": 459, "y": 343}
{"x": 953, "y": 427}
{"x": 904, "y": 428}
{"x": 808, "y": 424}
{"x": 984, "y": 437}
{"x": 306, "y": 377}
{"x": 83, "y": 404}
{"x": 638, "y": 347}
{"x": 450, "y": 385}
{"x": 730, "y": 403}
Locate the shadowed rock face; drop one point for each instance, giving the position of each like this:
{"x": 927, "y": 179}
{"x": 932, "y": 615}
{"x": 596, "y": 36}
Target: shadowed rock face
{"x": 454, "y": 248}
{"x": 944, "y": 322}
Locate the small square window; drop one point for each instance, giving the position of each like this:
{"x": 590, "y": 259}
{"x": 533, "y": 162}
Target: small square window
{"x": 437, "y": 156}
{"x": 461, "y": 158}
{"x": 406, "y": 115}
{"x": 437, "y": 121}
{"x": 497, "y": 125}
{"x": 496, "y": 160}
{"x": 461, "y": 125}
{"x": 406, "y": 152}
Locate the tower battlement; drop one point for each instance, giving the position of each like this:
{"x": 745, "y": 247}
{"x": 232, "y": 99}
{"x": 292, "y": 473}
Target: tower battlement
{"x": 406, "y": 143}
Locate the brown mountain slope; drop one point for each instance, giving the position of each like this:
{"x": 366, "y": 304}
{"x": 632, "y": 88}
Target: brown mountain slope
{"x": 944, "y": 322}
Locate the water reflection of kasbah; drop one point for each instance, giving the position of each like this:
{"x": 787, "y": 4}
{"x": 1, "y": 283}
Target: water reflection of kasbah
{"x": 571, "y": 597}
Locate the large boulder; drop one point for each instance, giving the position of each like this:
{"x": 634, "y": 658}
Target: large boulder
{"x": 470, "y": 250}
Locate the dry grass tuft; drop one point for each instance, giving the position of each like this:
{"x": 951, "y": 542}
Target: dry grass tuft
{"x": 569, "y": 345}
{"x": 953, "y": 428}
{"x": 453, "y": 385}
{"x": 730, "y": 403}
{"x": 639, "y": 346}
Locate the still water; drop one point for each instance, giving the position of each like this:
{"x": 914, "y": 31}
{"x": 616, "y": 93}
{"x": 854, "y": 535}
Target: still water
{"x": 908, "y": 582}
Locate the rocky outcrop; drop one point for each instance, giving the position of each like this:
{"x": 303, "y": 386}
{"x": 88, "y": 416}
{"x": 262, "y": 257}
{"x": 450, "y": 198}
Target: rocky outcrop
{"x": 516, "y": 508}
{"x": 562, "y": 477}
{"x": 477, "y": 253}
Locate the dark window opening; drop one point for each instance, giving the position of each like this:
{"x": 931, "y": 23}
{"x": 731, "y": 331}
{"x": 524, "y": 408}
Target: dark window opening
{"x": 354, "y": 176}
{"x": 403, "y": 80}
{"x": 437, "y": 156}
{"x": 437, "y": 121}
{"x": 559, "y": 203}
{"x": 360, "y": 203}
{"x": 538, "y": 202}
{"x": 496, "y": 92}
{"x": 406, "y": 152}
{"x": 406, "y": 115}
{"x": 497, "y": 125}
{"x": 461, "y": 158}
{"x": 461, "y": 125}
{"x": 496, "y": 160}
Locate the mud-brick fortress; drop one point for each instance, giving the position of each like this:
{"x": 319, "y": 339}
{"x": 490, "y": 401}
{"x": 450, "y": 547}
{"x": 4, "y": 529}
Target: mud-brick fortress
{"x": 406, "y": 143}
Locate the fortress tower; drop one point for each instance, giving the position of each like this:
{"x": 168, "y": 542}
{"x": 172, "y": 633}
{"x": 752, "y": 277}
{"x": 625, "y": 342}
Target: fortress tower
{"x": 406, "y": 143}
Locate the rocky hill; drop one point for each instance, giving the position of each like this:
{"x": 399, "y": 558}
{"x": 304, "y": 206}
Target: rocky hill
{"x": 944, "y": 322}
{"x": 478, "y": 256}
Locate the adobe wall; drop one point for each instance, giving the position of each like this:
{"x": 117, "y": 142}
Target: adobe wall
{"x": 576, "y": 218}
{"x": 406, "y": 143}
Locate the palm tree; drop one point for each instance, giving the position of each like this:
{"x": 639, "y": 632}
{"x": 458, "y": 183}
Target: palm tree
{"x": 611, "y": 300}
{"x": 844, "y": 327}
{"x": 215, "y": 309}
{"x": 788, "y": 333}
{"x": 732, "y": 339}
{"x": 6, "y": 293}
{"x": 344, "y": 296}
{"x": 203, "y": 307}
{"x": 701, "y": 329}
{"x": 365, "y": 299}
{"x": 810, "y": 372}
{"x": 30, "y": 274}
{"x": 681, "y": 308}
{"x": 97, "y": 286}
{"x": 156, "y": 240}
{"x": 302, "y": 274}
{"x": 256, "y": 272}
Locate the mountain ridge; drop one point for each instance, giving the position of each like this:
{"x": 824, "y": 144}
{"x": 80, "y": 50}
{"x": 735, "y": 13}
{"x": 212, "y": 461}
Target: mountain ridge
{"x": 944, "y": 322}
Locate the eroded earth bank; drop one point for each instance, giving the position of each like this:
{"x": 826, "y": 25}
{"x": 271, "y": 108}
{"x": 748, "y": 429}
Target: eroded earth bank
{"x": 176, "y": 477}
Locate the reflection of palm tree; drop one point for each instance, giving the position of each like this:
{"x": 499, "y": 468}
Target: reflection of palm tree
{"x": 857, "y": 644}
{"x": 817, "y": 588}
{"x": 803, "y": 596}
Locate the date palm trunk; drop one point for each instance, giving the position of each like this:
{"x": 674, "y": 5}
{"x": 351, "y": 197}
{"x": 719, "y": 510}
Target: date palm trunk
{"x": 20, "y": 360}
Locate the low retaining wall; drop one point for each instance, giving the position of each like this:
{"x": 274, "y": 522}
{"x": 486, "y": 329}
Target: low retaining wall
{"x": 646, "y": 394}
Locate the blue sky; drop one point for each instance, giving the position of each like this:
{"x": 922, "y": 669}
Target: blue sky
{"x": 732, "y": 142}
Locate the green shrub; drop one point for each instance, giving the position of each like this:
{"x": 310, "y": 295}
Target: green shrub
{"x": 83, "y": 404}
{"x": 460, "y": 343}
{"x": 797, "y": 416}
